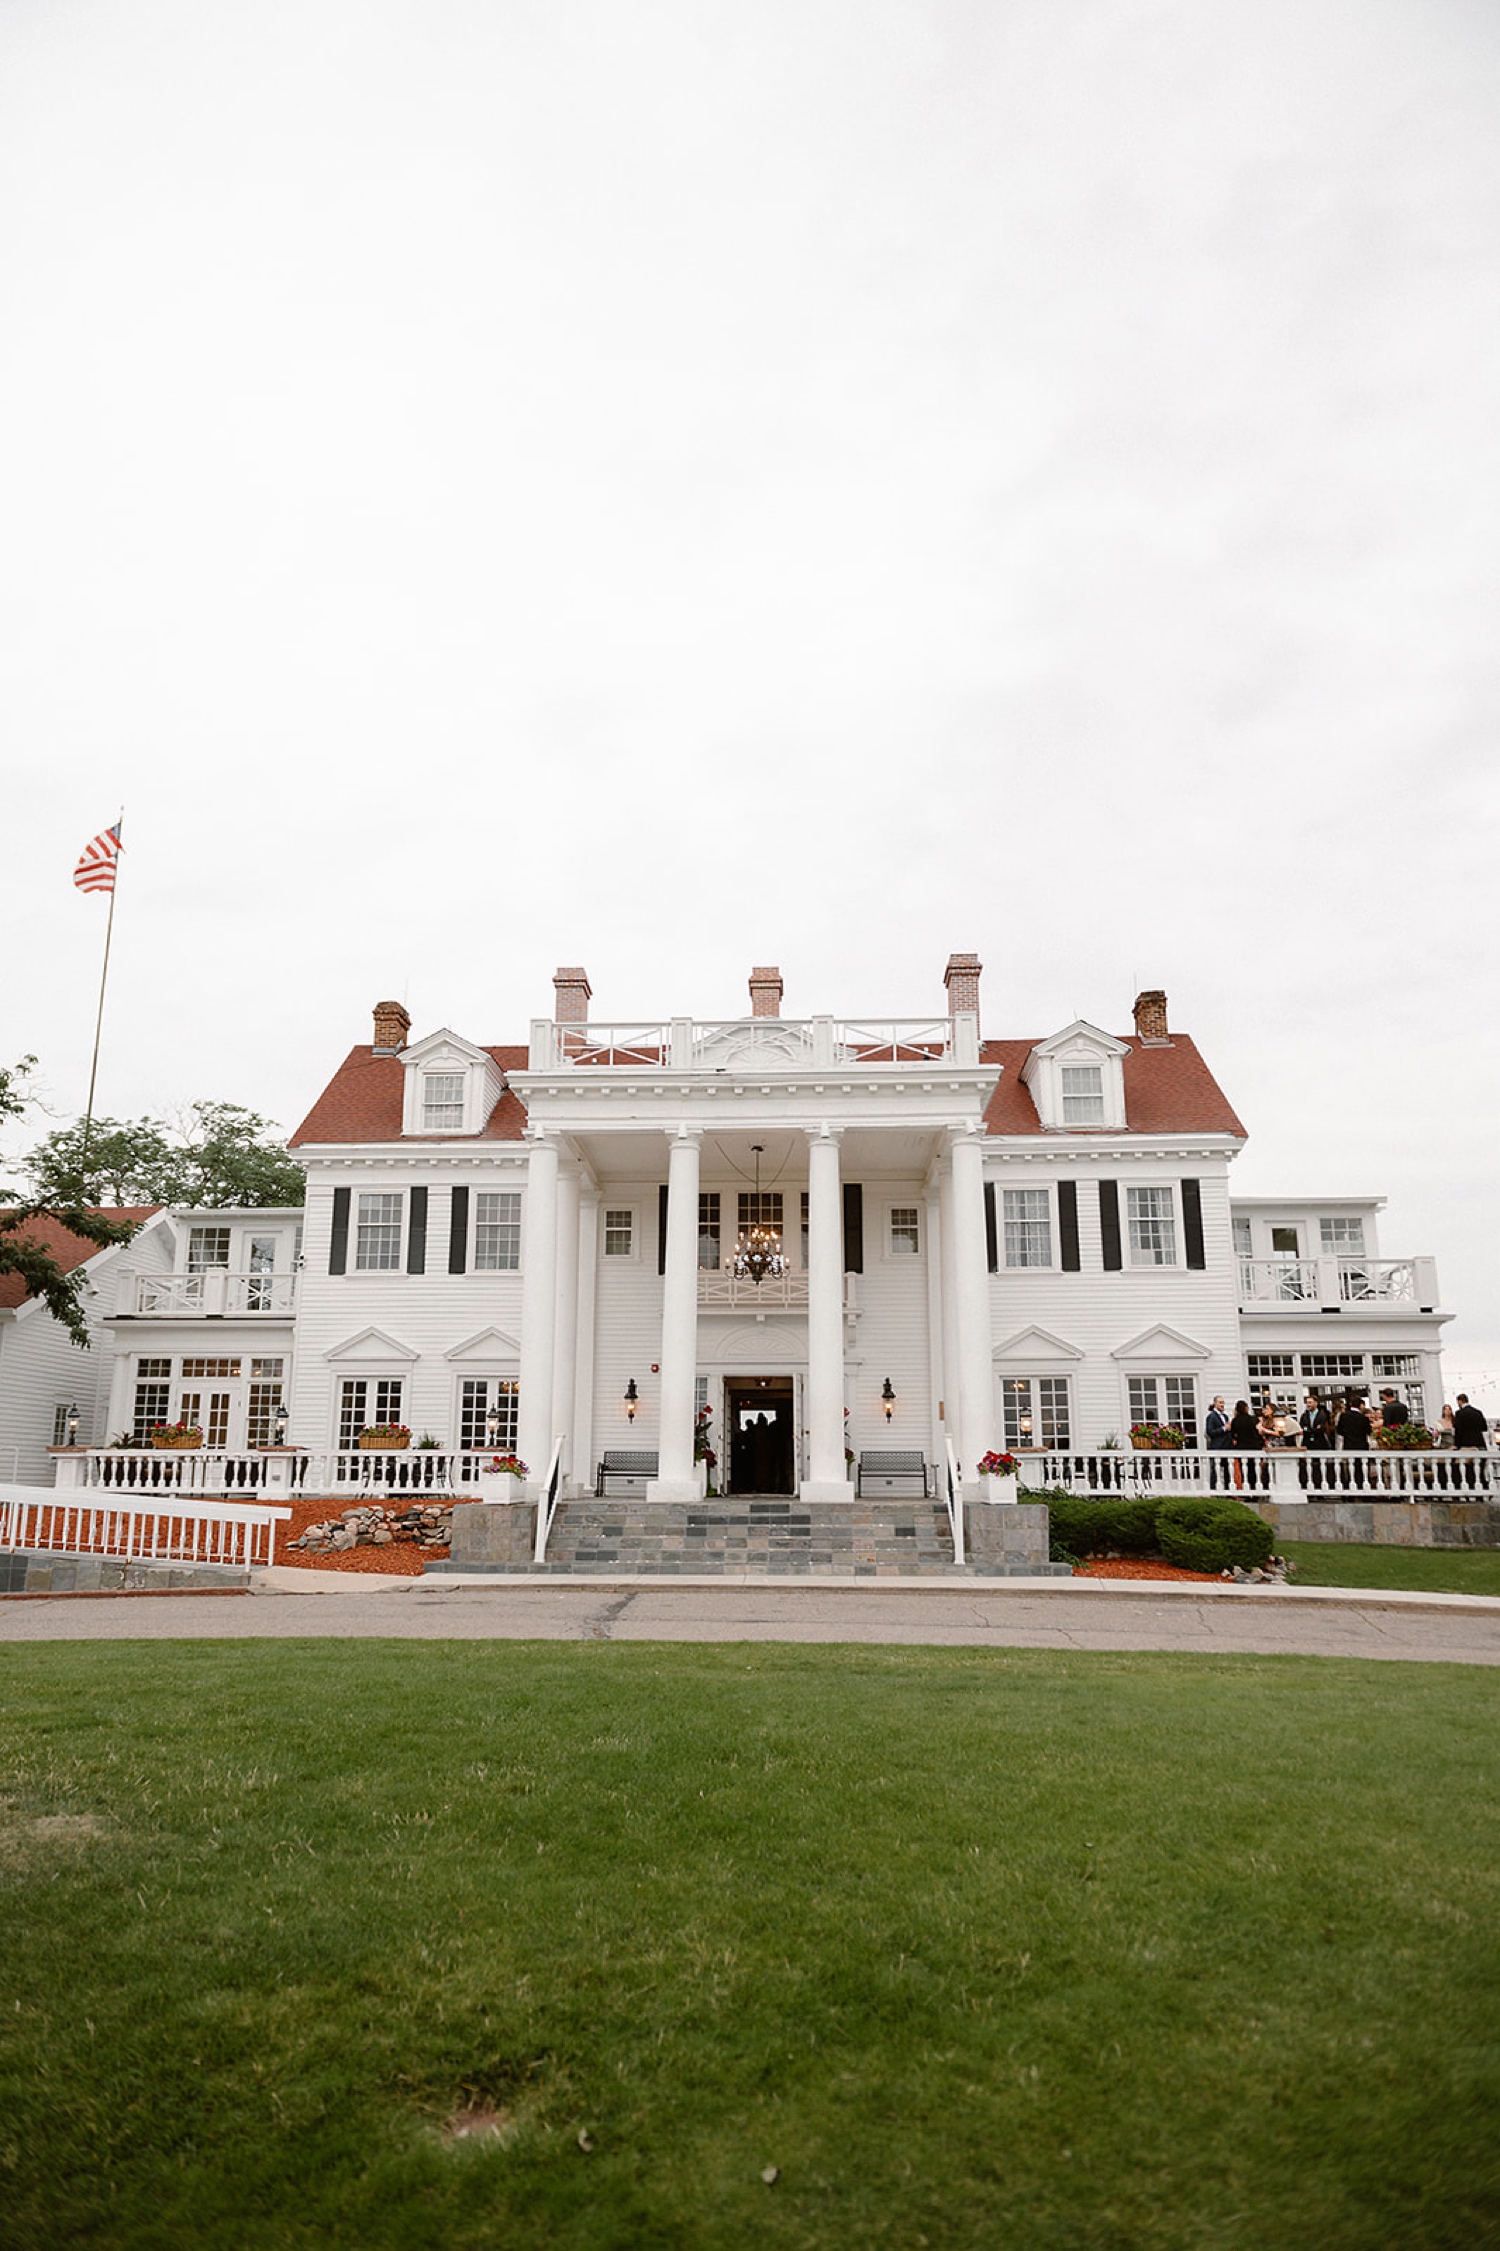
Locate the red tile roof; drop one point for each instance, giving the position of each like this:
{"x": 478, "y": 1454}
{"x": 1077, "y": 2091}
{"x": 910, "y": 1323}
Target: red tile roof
{"x": 70, "y": 1250}
{"x": 363, "y": 1102}
{"x": 1167, "y": 1090}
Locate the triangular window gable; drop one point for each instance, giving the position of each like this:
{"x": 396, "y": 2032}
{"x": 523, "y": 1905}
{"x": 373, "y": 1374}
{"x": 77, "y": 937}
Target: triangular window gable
{"x": 1034, "y": 1348}
{"x": 1077, "y": 1080}
{"x": 371, "y": 1348}
{"x": 487, "y": 1347}
{"x": 1160, "y": 1344}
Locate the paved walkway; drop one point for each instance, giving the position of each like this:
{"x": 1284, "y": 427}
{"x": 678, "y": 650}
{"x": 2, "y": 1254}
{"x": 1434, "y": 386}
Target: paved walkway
{"x": 1059, "y": 1614}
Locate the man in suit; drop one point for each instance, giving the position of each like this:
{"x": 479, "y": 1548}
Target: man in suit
{"x": 1216, "y": 1437}
{"x": 1393, "y": 1410}
{"x": 1317, "y": 1438}
{"x": 1469, "y": 1425}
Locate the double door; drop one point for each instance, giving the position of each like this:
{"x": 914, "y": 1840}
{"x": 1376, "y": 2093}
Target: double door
{"x": 760, "y": 1418}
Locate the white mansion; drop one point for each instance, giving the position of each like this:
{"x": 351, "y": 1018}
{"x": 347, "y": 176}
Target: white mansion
{"x": 999, "y": 1243}
{"x": 1009, "y": 1244}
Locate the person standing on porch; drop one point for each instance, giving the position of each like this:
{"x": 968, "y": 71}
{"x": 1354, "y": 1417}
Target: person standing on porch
{"x": 1469, "y": 1426}
{"x": 1216, "y": 1438}
{"x": 1245, "y": 1438}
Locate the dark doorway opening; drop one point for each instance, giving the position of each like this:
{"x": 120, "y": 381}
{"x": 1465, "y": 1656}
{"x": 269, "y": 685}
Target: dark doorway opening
{"x": 762, "y": 1439}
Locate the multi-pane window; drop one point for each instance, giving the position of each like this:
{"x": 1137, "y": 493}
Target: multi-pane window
{"x": 258, "y": 1296}
{"x": 214, "y": 1422}
{"x": 153, "y": 1395}
{"x": 1153, "y": 1226}
{"x": 806, "y": 1227}
{"x": 1343, "y": 1236}
{"x": 481, "y": 1396}
{"x": 367, "y": 1399}
{"x": 1391, "y": 1365}
{"x": 1036, "y": 1411}
{"x": 1166, "y": 1399}
{"x": 442, "y": 1101}
{"x": 60, "y": 1415}
{"x": 196, "y": 1371}
{"x": 1267, "y": 1364}
{"x": 708, "y": 1230}
{"x": 264, "y": 1399}
{"x": 1242, "y": 1239}
{"x": 207, "y": 1247}
{"x": 1083, "y": 1093}
{"x": 1348, "y": 1365}
{"x": 1028, "y": 1227}
{"x": 905, "y": 1239}
{"x": 377, "y": 1241}
{"x": 619, "y": 1232}
{"x": 760, "y": 1210}
{"x": 497, "y": 1231}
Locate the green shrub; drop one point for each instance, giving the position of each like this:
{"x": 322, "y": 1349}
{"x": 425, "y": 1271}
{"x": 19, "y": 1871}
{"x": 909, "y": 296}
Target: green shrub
{"x": 1078, "y": 1527}
{"x": 1201, "y": 1535}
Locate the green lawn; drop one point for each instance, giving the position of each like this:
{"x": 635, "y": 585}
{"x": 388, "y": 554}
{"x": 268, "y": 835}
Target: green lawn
{"x": 1333, "y": 1563}
{"x": 979, "y": 1948}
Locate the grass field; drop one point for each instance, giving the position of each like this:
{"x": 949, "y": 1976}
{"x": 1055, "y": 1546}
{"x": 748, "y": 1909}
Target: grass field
{"x": 1336, "y": 1563}
{"x": 978, "y": 1948}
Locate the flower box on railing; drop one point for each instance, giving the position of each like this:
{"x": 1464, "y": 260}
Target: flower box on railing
{"x": 384, "y": 1438}
{"x": 1157, "y": 1438}
{"x": 175, "y": 1438}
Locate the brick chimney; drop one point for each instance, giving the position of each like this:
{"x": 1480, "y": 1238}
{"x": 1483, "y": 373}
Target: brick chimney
{"x": 962, "y": 980}
{"x": 1151, "y": 1019}
{"x": 573, "y": 992}
{"x": 765, "y": 992}
{"x": 391, "y": 1027}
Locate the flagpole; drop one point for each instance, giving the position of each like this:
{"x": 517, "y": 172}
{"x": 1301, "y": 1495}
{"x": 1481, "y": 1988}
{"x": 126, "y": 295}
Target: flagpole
{"x": 109, "y": 929}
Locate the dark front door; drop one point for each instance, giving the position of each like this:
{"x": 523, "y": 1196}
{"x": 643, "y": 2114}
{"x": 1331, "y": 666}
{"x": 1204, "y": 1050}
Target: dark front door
{"x": 762, "y": 1442}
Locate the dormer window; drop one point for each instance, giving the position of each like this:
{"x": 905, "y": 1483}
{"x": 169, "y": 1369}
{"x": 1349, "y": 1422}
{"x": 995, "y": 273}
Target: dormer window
{"x": 1082, "y": 1094}
{"x": 443, "y": 1101}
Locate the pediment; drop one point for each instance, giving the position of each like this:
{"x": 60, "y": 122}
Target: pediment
{"x": 439, "y": 1046}
{"x": 752, "y": 1346}
{"x": 1029, "y": 1346}
{"x": 1077, "y": 1039}
{"x": 486, "y": 1345}
{"x": 762, "y": 1044}
{"x": 371, "y": 1346}
{"x": 1161, "y": 1343}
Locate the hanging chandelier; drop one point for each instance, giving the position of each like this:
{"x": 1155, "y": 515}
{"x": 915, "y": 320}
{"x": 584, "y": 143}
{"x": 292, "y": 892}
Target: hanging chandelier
{"x": 757, "y": 1252}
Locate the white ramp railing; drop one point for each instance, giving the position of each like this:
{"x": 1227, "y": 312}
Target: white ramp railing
{"x": 127, "y": 1528}
{"x": 955, "y": 1496}
{"x": 546, "y": 1507}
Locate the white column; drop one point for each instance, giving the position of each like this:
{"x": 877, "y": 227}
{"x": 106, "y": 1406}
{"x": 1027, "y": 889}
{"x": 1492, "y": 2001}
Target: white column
{"x": 538, "y": 1310}
{"x": 971, "y": 1305}
{"x": 676, "y": 1478}
{"x": 583, "y": 1381}
{"x": 827, "y": 1478}
{"x": 936, "y": 1325}
{"x": 565, "y": 1322}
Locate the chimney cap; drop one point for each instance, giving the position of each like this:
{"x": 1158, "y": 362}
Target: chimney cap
{"x": 962, "y": 965}
{"x": 765, "y": 990}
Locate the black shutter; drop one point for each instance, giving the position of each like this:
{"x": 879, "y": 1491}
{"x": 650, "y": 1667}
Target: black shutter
{"x": 1192, "y": 1222}
{"x": 991, "y": 1229}
{"x": 458, "y": 1232}
{"x": 338, "y": 1240}
{"x": 416, "y": 1233}
{"x": 854, "y": 1227}
{"x": 1109, "y": 1225}
{"x": 1067, "y": 1225}
{"x": 661, "y": 1229}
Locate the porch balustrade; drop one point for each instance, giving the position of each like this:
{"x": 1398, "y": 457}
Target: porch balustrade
{"x": 270, "y": 1472}
{"x": 772, "y": 1043}
{"x": 214, "y": 1293}
{"x": 1318, "y": 1284}
{"x": 1277, "y": 1475}
{"x": 734, "y": 1290}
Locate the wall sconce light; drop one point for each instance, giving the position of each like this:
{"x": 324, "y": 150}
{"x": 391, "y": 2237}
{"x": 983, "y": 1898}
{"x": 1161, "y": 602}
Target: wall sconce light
{"x": 73, "y": 1426}
{"x": 888, "y": 1399}
{"x": 278, "y": 1427}
{"x": 632, "y": 1399}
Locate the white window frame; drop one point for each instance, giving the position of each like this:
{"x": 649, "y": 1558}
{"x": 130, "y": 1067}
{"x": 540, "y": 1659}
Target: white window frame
{"x": 1097, "y": 1094}
{"x": 910, "y": 1228}
{"x": 631, "y": 1251}
{"x": 1165, "y": 1408}
{"x": 447, "y": 1115}
{"x": 1023, "y": 1397}
{"x": 1140, "y": 1252}
{"x": 1044, "y": 1221}
{"x": 380, "y": 1410}
{"x": 360, "y": 1264}
{"x": 501, "y": 1389}
{"x": 197, "y": 1236}
{"x": 480, "y": 1265}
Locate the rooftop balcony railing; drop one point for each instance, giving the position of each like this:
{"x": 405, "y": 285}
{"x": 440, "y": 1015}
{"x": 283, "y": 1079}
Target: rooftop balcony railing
{"x": 214, "y": 1293}
{"x": 1319, "y": 1285}
{"x": 757, "y": 1043}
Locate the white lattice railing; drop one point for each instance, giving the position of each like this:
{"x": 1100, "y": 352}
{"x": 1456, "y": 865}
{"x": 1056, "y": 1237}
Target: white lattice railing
{"x": 733, "y": 1290}
{"x": 215, "y": 1292}
{"x": 771, "y": 1043}
{"x": 131, "y": 1528}
{"x": 1279, "y": 1475}
{"x": 1315, "y": 1283}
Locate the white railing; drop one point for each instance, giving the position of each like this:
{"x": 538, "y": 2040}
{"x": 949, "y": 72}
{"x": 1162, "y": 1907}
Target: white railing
{"x": 734, "y": 1289}
{"x": 954, "y": 1496}
{"x": 1282, "y": 1474}
{"x": 132, "y": 1529}
{"x": 771, "y": 1043}
{"x": 215, "y": 1292}
{"x": 546, "y": 1507}
{"x": 1315, "y": 1283}
{"x": 273, "y": 1471}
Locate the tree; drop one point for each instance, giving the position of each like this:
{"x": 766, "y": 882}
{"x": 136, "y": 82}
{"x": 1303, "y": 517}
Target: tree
{"x": 22, "y": 1253}
{"x": 225, "y": 1155}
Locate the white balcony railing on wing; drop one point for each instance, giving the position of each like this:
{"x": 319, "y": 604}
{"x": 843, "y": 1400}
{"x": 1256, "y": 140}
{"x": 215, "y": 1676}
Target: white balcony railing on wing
{"x": 216, "y": 1292}
{"x": 1316, "y": 1283}
{"x": 772, "y": 1043}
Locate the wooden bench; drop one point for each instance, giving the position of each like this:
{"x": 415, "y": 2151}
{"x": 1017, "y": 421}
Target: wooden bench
{"x": 624, "y": 1473}
{"x": 897, "y": 1474}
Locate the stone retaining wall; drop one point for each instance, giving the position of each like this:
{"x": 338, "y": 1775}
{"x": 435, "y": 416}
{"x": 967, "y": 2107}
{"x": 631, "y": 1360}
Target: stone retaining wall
{"x": 494, "y": 1535}
{"x": 1010, "y": 1540}
{"x": 30, "y": 1571}
{"x": 1386, "y": 1524}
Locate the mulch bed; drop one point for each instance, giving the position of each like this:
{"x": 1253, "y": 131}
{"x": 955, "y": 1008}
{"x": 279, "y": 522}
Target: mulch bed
{"x": 401, "y": 1560}
{"x": 1138, "y": 1567}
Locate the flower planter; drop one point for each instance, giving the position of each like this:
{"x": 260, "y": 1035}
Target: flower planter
{"x": 370, "y": 1444}
{"x": 182, "y": 1445}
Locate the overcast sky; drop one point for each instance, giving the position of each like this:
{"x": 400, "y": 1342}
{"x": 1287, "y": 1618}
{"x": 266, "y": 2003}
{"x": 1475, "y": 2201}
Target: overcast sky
{"x": 671, "y": 485}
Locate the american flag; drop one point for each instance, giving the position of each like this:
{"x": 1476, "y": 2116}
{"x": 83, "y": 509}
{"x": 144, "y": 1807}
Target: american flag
{"x": 96, "y": 870}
